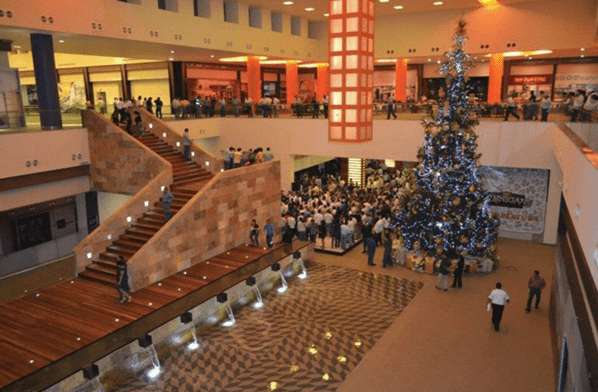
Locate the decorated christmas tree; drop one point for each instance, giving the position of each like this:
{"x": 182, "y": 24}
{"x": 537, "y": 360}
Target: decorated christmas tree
{"x": 447, "y": 207}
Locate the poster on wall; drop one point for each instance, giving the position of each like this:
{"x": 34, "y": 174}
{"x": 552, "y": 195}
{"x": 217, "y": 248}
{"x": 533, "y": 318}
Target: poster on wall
{"x": 565, "y": 83}
{"x": 518, "y": 197}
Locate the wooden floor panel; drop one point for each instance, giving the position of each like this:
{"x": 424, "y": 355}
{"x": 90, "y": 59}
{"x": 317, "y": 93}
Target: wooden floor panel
{"x": 65, "y": 327}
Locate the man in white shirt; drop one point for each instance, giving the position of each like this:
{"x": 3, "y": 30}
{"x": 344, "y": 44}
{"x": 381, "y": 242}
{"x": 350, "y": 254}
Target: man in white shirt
{"x": 276, "y": 106}
{"x": 589, "y": 108}
{"x": 318, "y": 217}
{"x": 498, "y": 297}
{"x": 545, "y": 105}
{"x": 511, "y": 108}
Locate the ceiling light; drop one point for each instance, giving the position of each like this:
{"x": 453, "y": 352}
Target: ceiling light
{"x": 384, "y": 1}
{"x": 429, "y": 59}
{"x": 172, "y": 51}
{"x": 288, "y": 3}
{"x": 19, "y": 46}
{"x": 211, "y": 56}
{"x": 386, "y": 60}
{"x": 438, "y": 61}
{"x": 437, "y": 3}
{"x": 398, "y": 7}
{"x": 171, "y": 59}
{"x": 61, "y": 41}
{"x": 326, "y": 14}
{"x": 582, "y": 49}
{"x": 582, "y": 56}
{"x": 310, "y": 9}
{"x": 489, "y": 4}
{"x": 240, "y": 59}
{"x": 277, "y": 62}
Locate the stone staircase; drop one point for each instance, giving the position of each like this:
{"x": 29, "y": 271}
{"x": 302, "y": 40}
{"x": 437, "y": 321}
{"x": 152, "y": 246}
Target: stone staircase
{"x": 188, "y": 179}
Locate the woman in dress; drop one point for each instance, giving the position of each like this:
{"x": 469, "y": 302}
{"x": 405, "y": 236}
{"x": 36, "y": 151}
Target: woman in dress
{"x": 122, "y": 280}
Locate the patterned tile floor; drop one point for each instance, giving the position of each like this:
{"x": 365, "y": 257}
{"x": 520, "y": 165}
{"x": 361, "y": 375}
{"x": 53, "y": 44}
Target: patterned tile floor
{"x": 308, "y": 339}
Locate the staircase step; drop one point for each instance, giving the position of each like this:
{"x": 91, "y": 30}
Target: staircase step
{"x": 109, "y": 256}
{"x": 102, "y": 269}
{"x": 146, "y": 226}
{"x": 119, "y": 250}
{"x": 150, "y": 224}
{"x": 105, "y": 263}
{"x": 129, "y": 236}
{"x": 140, "y": 233}
{"x": 128, "y": 244}
{"x": 97, "y": 277}
{"x": 189, "y": 170}
{"x": 152, "y": 219}
{"x": 191, "y": 176}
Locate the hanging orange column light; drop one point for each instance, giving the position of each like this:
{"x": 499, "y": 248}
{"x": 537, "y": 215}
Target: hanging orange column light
{"x": 497, "y": 64}
{"x": 292, "y": 81}
{"x": 351, "y": 42}
{"x": 254, "y": 79}
{"x": 401, "y": 80}
{"x": 323, "y": 80}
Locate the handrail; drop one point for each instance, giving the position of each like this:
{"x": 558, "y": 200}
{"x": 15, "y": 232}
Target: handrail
{"x": 97, "y": 241}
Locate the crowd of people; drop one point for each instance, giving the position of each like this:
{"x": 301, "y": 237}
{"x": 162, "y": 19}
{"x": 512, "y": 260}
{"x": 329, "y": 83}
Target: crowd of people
{"x": 234, "y": 158}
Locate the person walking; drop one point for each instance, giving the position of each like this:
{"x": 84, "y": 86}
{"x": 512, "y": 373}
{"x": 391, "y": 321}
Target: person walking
{"x": 236, "y": 102}
{"x": 366, "y": 232}
{"x": 443, "y": 272}
{"x": 167, "y": 199}
{"x": 498, "y": 298}
{"x": 458, "y": 274}
{"x": 371, "y": 245}
{"x": 222, "y": 107}
{"x": 138, "y": 124}
{"x": 228, "y": 158}
{"x": 545, "y": 105}
{"x": 254, "y": 233}
{"x": 149, "y": 104}
{"x": 176, "y": 108}
{"x": 390, "y": 108}
{"x": 187, "y": 145}
{"x": 387, "y": 245}
{"x": 536, "y": 283}
{"x": 269, "y": 230}
{"x": 158, "y": 102}
{"x": 122, "y": 280}
{"x": 511, "y": 108}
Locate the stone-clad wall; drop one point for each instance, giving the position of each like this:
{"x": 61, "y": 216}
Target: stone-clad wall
{"x": 119, "y": 163}
{"x": 216, "y": 219}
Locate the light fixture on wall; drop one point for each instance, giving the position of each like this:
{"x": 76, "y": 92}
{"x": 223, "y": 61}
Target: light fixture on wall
{"x": 129, "y": 219}
{"x": 164, "y": 134}
{"x": 89, "y": 255}
{"x": 146, "y": 203}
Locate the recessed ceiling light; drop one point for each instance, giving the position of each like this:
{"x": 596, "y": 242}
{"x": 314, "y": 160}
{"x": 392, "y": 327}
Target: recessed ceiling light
{"x": 438, "y": 61}
{"x": 582, "y": 56}
{"x": 288, "y": 3}
{"x": 17, "y": 46}
{"x": 172, "y": 51}
{"x": 582, "y": 49}
{"x": 437, "y": 3}
{"x": 429, "y": 59}
{"x": 398, "y": 7}
{"x": 326, "y": 14}
{"x": 310, "y": 9}
{"x": 170, "y": 58}
{"x": 384, "y": 1}
{"x": 61, "y": 41}
{"x": 212, "y": 56}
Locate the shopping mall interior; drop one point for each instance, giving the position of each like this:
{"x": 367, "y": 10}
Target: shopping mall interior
{"x": 143, "y": 143}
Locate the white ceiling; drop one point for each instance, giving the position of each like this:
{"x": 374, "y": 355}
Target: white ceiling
{"x": 382, "y": 9}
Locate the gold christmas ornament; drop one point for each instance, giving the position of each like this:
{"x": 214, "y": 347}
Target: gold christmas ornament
{"x": 456, "y": 202}
{"x": 472, "y": 188}
{"x": 478, "y": 245}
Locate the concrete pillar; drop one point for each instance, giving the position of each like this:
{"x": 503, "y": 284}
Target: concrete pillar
{"x": 44, "y": 68}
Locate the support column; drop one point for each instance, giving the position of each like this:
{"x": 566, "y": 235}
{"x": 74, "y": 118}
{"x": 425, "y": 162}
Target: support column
{"x": 323, "y": 80}
{"x": 44, "y": 68}
{"x": 401, "y": 80}
{"x": 254, "y": 82}
{"x": 292, "y": 81}
{"x": 497, "y": 63}
{"x": 351, "y": 40}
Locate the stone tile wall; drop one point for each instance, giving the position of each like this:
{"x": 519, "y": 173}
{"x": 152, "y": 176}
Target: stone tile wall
{"x": 119, "y": 163}
{"x": 215, "y": 220}
{"x": 202, "y": 157}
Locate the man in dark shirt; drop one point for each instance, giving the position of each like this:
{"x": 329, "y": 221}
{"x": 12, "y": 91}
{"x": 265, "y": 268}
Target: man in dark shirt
{"x": 457, "y": 282}
{"x": 536, "y": 284}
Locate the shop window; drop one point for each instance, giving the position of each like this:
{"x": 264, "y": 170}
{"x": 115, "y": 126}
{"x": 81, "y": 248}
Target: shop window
{"x": 295, "y": 25}
{"x": 202, "y": 8}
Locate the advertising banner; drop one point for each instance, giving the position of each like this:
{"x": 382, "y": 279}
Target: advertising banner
{"x": 518, "y": 197}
